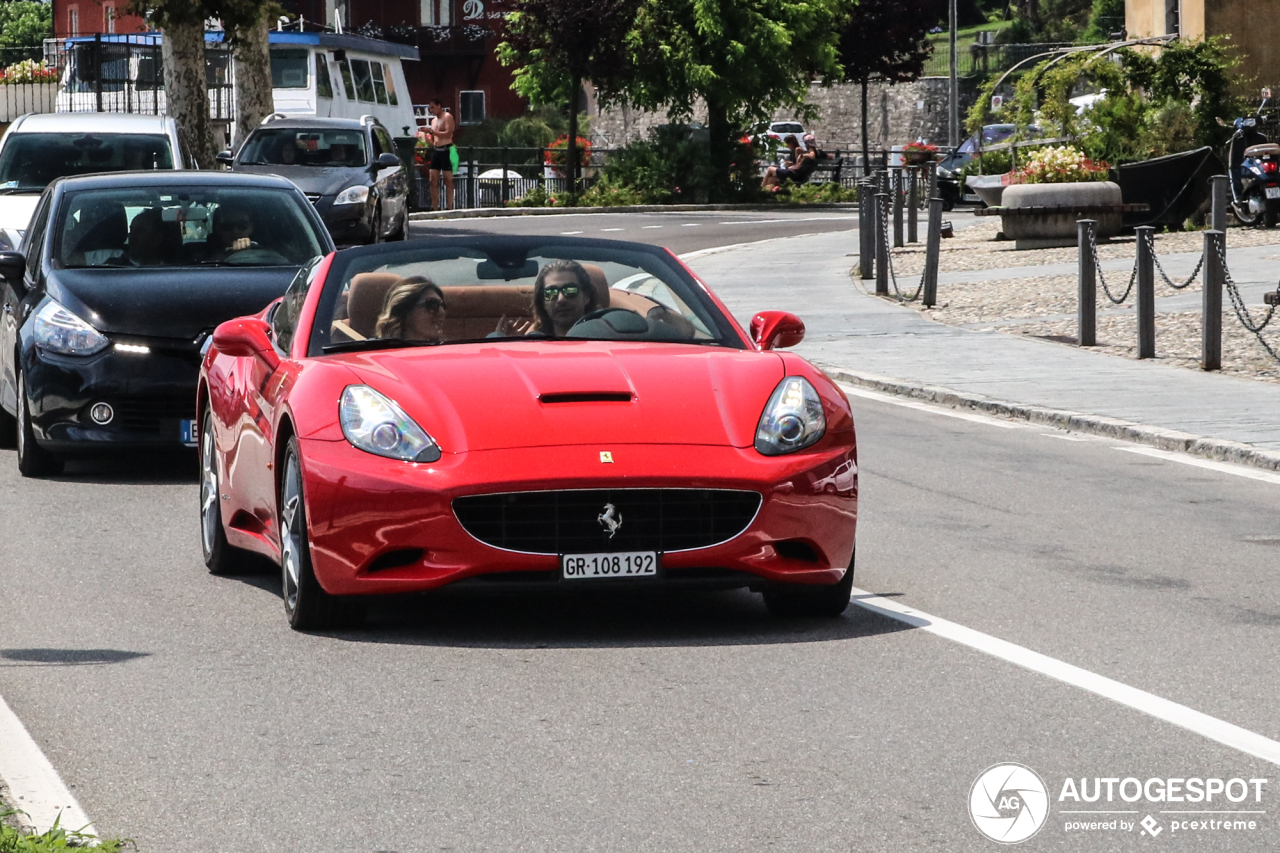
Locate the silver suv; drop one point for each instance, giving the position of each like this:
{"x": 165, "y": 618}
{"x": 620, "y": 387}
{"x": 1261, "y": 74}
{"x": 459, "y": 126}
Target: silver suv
{"x": 40, "y": 147}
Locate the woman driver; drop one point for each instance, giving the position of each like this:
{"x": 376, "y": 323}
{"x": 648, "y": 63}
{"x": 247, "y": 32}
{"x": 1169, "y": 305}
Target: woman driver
{"x": 413, "y": 311}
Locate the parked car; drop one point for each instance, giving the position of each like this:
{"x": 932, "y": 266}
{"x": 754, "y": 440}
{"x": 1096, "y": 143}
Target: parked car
{"x": 347, "y": 168}
{"x": 949, "y": 167}
{"x": 520, "y": 414}
{"x": 38, "y": 148}
{"x": 119, "y": 282}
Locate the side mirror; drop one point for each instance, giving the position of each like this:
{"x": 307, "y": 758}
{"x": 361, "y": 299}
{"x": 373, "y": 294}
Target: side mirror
{"x": 246, "y": 337}
{"x": 776, "y": 330}
{"x": 226, "y": 158}
{"x": 387, "y": 160}
{"x": 12, "y": 266}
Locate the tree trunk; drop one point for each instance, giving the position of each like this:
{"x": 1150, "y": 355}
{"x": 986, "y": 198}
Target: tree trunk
{"x": 571, "y": 150}
{"x": 721, "y": 152}
{"x": 866, "y": 148}
{"x": 187, "y": 91}
{"x": 253, "y": 79}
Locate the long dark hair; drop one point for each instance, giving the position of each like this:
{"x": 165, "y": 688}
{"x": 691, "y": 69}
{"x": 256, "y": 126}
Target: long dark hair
{"x": 400, "y": 301}
{"x": 543, "y": 319}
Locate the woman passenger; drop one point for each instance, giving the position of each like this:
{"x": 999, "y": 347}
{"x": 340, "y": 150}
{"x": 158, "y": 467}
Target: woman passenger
{"x": 413, "y": 311}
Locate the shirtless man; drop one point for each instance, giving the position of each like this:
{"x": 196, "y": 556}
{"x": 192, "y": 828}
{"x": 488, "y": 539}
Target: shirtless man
{"x": 441, "y": 135}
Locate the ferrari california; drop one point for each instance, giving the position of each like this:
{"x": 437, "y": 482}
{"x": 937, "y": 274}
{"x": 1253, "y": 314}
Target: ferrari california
{"x": 521, "y": 413}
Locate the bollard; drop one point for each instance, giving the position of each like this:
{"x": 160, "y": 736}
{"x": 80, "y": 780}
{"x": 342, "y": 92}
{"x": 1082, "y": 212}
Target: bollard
{"x": 933, "y": 247}
{"x": 933, "y": 179}
{"x": 882, "y": 245}
{"x": 1087, "y": 308}
{"x": 1221, "y": 194}
{"x": 1214, "y": 276}
{"x": 913, "y": 202}
{"x": 1146, "y": 293}
{"x": 866, "y": 230}
{"x": 897, "y": 207}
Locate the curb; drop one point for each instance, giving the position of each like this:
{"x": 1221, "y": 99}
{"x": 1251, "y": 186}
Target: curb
{"x": 486, "y": 212}
{"x": 1152, "y": 436}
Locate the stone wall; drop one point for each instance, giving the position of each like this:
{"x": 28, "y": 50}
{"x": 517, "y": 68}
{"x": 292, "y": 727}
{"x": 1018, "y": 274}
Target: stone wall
{"x": 895, "y": 114}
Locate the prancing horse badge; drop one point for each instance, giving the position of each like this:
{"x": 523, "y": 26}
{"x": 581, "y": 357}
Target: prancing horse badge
{"x": 606, "y": 456}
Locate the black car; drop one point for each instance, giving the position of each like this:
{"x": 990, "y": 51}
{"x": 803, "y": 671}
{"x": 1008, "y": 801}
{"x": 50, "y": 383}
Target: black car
{"x": 348, "y": 169}
{"x": 120, "y": 280}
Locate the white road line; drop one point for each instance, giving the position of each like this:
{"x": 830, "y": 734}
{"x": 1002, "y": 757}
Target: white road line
{"x": 775, "y": 221}
{"x": 690, "y": 224}
{"x": 926, "y": 407}
{"x": 34, "y": 786}
{"x": 611, "y": 229}
{"x": 570, "y": 232}
{"x": 650, "y": 226}
{"x": 1064, "y": 436}
{"x": 1212, "y": 728}
{"x": 1223, "y": 467}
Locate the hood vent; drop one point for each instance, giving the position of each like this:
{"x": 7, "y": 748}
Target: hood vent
{"x": 587, "y": 397}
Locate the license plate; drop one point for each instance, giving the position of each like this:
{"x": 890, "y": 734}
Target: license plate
{"x": 624, "y": 564}
{"x": 187, "y": 431}
{"x": 1273, "y": 192}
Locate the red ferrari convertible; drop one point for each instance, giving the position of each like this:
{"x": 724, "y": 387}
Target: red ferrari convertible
{"x": 521, "y": 413}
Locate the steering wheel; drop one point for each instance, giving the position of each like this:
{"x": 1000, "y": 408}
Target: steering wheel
{"x": 255, "y": 255}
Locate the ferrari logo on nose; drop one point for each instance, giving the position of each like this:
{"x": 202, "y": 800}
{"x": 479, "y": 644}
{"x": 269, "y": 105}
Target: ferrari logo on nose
{"x": 606, "y": 456}
{"x": 610, "y": 519}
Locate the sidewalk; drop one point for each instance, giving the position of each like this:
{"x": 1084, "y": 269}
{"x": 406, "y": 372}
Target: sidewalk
{"x": 862, "y": 339}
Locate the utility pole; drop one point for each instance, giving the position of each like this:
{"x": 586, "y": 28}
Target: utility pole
{"x": 953, "y": 130}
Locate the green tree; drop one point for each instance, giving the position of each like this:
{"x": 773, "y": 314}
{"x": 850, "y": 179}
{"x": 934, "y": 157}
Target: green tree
{"x": 556, "y": 44}
{"x": 24, "y": 23}
{"x": 885, "y": 39}
{"x": 743, "y": 59}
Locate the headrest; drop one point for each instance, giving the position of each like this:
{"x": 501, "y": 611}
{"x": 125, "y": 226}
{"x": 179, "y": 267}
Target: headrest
{"x": 367, "y": 296}
{"x": 601, "y": 284}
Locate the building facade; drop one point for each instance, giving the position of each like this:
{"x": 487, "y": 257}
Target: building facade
{"x": 456, "y": 40}
{"x": 1253, "y": 32}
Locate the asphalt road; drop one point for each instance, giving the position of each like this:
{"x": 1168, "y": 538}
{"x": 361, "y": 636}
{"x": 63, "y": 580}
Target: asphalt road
{"x": 188, "y": 716}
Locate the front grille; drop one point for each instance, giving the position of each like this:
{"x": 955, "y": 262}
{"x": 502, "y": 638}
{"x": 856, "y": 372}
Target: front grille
{"x": 149, "y": 413}
{"x": 569, "y": 522}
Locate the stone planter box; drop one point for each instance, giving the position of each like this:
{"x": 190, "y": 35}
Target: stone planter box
{"x": 990, "y": 188}
{"x": 1039, "y": 216}
{"x": 21, "y": 98}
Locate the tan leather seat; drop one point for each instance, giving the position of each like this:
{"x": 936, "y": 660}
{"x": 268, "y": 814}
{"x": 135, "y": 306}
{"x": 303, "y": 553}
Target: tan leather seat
{"x": 1267, "y": 149}
{"x": 365, "y": 300}
{"x": 601, "y": 284}
{"x": 475, "y": 310}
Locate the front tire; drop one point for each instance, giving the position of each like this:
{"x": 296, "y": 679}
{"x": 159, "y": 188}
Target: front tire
{"x": 306, "y": 604}
{"x": 33, "y": 460}
{"x": 219, "y": 557}
{"x": 827, "y": 601}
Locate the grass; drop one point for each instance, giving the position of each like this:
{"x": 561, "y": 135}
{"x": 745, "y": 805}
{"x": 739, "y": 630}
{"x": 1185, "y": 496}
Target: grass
{"x": 57, "y": 838}
{"x": 940, "y": 61}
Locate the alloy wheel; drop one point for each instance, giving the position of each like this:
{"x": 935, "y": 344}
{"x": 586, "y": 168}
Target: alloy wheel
{"x": 209, "y": 512}
{"x": 291, "y": 532}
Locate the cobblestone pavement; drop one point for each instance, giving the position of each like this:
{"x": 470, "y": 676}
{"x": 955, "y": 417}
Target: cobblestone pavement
{"x": 984, "y": 283}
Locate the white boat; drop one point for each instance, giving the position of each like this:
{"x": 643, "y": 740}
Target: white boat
{"x": 317, "y": 75}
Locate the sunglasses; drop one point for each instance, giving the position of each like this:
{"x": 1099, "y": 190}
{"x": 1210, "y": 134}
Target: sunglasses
{"x": 433, "y": 305}
{"x": 551, "y": 294}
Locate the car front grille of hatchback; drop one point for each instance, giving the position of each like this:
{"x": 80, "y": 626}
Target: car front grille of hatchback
{"x": 607, "y": 520}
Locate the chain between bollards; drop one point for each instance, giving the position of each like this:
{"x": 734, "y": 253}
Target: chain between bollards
{"x": 1087, "y": 292}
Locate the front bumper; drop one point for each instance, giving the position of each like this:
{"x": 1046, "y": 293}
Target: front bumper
{"x": 150, "y": 394}
{"x": 380, "y": 526}
{"x": 347, "y": 223}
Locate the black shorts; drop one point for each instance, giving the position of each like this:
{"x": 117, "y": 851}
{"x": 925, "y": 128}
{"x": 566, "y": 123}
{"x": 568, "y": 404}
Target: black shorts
{"x": 441, "y": 158}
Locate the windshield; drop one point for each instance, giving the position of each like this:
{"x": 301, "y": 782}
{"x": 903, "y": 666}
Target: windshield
{"x": 787, "y": 127}
{"x": 284, "y": 146}
{"x": 30, "y": 161}
{"x": 450, "y": 295}
{"x": 185, "y": 226}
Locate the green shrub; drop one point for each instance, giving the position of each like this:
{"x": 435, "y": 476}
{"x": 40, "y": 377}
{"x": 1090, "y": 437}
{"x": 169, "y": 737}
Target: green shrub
{"x": 57, "y": 838}
{"x": 827, "y": 192}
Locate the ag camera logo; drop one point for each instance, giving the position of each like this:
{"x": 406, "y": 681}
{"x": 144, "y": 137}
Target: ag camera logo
{"x": 1008, "y": 803}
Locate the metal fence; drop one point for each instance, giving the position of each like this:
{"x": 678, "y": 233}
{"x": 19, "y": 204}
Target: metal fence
{"x": 975, "y": 58}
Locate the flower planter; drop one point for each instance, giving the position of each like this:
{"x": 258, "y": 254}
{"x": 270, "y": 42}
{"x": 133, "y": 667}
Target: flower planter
{"x": 1040, "y": 216}
{"x": 917, "y": 158}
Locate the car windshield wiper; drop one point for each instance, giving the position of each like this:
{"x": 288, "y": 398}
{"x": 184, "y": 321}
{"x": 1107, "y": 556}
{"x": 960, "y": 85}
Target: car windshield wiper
{"x": 12, "y": 190}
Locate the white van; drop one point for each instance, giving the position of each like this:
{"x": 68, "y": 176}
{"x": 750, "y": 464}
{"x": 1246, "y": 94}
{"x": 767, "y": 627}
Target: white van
{"x": 313, "y": 75}
{"x": 38, "y": 148}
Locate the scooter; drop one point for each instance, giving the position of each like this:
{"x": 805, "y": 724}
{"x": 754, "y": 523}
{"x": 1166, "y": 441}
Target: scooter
{"x": 1254, "y": 164}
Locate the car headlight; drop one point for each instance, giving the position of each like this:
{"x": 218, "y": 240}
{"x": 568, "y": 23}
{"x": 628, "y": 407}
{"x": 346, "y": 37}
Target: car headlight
{"x": 353, "y": 195}
{"x": 58, "y": 330}
{"x": 376, "y": 425}
{"x": 792, "y": 418}
{"x": 944, "y": 172}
